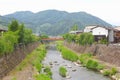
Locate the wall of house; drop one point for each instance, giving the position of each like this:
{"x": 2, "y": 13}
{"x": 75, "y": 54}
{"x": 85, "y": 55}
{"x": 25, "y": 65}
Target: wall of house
{"x": 100, "y": 31}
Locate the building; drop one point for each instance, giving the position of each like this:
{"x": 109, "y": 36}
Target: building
{"x": 2, "y": 30}
{"x": 101, "y": 32}
{"x": 89, "y": 28}
{"x": 117, "y": 34}
{"x": 76, "y": 32}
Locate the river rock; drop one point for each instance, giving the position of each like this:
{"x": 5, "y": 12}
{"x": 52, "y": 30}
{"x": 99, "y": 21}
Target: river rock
{"x": 57, "y": 64}
{"x": 69, "y": 66}
{"x": 50, "y": 63}
{"x": 68, "y": 77}
{"x": 78, "y": 62}
{"x": 55, "y": 61}
{"x": 73, "y": 70}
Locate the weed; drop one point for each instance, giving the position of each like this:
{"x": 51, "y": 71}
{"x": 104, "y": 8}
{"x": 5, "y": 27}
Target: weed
{"x": 62, "y": 71}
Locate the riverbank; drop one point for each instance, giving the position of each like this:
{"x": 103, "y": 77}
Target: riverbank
{"x": 74, "y": 71}
{"x": 30, "y": 67}
{"x": 91, "y": 62}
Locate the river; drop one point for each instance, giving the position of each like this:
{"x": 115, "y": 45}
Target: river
{"x": 75, "y": 72}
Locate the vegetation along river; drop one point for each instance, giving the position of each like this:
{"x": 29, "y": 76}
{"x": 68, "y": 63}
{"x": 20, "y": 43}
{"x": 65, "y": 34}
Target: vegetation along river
{"x": 75, "y": 72}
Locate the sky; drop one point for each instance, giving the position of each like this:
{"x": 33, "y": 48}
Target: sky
{"x": 108, "y": 10}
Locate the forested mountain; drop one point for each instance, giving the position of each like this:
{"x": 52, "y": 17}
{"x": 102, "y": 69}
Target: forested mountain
{"x": 53, "y": 22}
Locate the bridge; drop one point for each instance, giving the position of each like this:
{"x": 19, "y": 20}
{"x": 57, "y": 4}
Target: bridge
{"x": 47, "y": 40}
{"x": 52, "y": 39}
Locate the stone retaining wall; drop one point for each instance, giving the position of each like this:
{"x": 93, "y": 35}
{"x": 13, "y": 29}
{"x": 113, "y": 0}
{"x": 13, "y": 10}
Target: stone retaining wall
{"x": 8, "y": 62}
{"x": 110, "y": 53}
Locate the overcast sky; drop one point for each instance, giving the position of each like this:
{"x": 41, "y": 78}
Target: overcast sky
{"x": 108, "y": 10}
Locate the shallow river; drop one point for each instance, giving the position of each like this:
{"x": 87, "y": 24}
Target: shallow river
{"x": 81, "y": 73}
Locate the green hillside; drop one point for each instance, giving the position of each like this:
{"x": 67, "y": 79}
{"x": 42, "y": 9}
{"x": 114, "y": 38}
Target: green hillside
{"x": 53, "y": 22}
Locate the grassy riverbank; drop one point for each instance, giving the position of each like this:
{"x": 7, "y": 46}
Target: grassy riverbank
{"x": 30, "y": 67}
{"x": 87, "y": 60}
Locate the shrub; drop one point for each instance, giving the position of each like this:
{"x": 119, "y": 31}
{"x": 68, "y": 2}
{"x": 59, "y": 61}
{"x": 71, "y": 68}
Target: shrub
{"x": 47, "y": 70}
{"x": 110, "y": 72}
{"x": 91, "y": 64}
{"x": 63, "y": 71}
{"x": 84, "y": 58}
{"x": 113, "y": 71}
{"x": 106, "y": 72}
{"x": 100, "y": 67}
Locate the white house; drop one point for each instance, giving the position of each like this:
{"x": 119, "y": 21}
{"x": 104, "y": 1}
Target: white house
{"x": 89, "y": 28}
{"x": 101, "y": 32}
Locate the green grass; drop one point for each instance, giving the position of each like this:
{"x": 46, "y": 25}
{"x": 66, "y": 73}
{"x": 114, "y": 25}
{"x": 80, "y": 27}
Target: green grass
{"x": 110, "y": 72}
{"x": 62, "y": 71}
{"x": 88, "y": 61}
{"x": 42, "y": 77}
{"x": 47, "y": 71}
{"x": 67, "y": 53}
{"x": 40, "y": 54}
{"x": 14, "y": 78}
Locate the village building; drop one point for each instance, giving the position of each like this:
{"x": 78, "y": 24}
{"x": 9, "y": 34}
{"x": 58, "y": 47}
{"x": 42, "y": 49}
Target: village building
{"x": 101, "y": 32}
{"x": 2, "y": 31}
{"x": 117, "y": 34}
{"x": 89, "y": 28}
{"x": 76, "y": 32}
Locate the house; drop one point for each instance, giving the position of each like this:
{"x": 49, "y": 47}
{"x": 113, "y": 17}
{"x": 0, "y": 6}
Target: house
{"x": 101, "y": 32}
{"x": 89, "y": 28}
{"x": 2, "y": 30}
{"x": 76, "y": 32}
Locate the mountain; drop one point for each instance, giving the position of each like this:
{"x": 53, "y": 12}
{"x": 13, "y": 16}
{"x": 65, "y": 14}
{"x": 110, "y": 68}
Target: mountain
{"x": 4, "y": 21}
{"x": 54, "y": 22}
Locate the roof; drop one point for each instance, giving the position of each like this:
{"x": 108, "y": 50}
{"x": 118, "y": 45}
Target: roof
{"x": 90, "y": 27}
{"x": 118, "y": 28}
{"x": 73, "y": 32}
{"x": 2, "y": 29}
{"x": 109, "y": 28}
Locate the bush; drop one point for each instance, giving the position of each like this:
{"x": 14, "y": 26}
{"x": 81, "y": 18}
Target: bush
{"x": 110, "y": 72}
{"x": 106, "y": 72}
{"x": 84, "y": 58}
{"x": 47, "y": 70}
{"x": 63, "y": 71}
{"x": 91, "y": 64}
{"x": 113, "y": 71}
{"x": 87, "y": 61}
{"x": 100, "y": 67}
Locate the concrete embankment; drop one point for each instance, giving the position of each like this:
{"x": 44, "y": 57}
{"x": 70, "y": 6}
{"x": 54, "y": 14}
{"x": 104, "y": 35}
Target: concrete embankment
{"x": 110, "y": 53}
{"x": 8, "y": 62}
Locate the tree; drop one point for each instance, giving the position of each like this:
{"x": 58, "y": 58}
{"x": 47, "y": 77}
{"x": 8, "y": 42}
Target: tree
{"x": 74, "y": 28}
{"x": 21, "y": 33}
{"x": 14, "y": 26}
{"x": 86, "y": 39}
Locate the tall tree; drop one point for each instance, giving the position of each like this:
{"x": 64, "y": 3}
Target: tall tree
{"x": 21, "y": 33}
{"x": 14, "y": 26}
{"x": 74, "y": 27}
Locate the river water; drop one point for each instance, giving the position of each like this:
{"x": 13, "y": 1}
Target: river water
{"x": 75, "y": 72}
